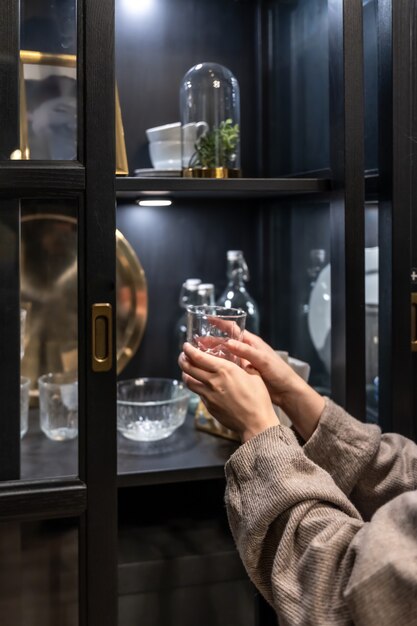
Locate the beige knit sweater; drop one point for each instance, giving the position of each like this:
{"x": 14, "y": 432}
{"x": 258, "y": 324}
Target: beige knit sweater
{"x": 328, "y": 531}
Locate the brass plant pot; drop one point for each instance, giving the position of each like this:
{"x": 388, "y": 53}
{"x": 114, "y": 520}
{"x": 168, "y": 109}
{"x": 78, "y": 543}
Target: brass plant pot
{"x": 211, "y": 172}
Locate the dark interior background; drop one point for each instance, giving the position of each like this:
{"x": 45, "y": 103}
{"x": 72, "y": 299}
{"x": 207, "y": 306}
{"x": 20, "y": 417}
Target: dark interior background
{"x": 278, "y": 50}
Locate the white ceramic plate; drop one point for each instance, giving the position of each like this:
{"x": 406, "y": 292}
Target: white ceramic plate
{"x": 150, "y": 172}
{"x": 319, "y": 313}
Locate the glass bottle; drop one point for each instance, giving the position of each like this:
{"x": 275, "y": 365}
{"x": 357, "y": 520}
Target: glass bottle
{"x": 235, "y": 295}
{"x": 205, "y": 294}
{"x": 188, "y": 295}
{"x": 193, "y": 291}
{"x": 210, "y": 122}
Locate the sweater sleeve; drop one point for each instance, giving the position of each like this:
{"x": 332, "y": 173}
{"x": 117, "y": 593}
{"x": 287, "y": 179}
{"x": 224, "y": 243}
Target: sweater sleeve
{"x": 368, "y": 467}
{"x": 307, "y": 549}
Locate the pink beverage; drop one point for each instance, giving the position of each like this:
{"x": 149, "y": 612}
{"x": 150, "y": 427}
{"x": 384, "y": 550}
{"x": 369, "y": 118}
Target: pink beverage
{"x": 209, "y": 328}
{"x": 217, "y": 346}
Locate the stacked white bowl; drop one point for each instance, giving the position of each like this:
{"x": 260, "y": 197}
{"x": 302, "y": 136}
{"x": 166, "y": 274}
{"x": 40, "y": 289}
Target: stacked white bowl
{"x": 165, "y": 146}
{"x": 165, "y": 141}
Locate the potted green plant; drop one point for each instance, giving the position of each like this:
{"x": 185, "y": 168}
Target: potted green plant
{"x": 217, "y": 148}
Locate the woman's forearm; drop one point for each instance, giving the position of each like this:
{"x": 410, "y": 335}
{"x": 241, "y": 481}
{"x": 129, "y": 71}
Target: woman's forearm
{"x": 303, "y": 405}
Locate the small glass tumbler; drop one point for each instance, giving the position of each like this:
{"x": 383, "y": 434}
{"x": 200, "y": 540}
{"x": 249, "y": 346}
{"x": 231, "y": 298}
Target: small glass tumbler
{"x": 23, "y": 314}
{"x": 24, "y": 405}
{"x": 58, "y": 402}
{"x": 209, "y": 328}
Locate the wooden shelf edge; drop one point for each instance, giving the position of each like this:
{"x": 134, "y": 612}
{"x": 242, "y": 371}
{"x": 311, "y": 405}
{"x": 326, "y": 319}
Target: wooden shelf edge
{"x": 135, "y": 187}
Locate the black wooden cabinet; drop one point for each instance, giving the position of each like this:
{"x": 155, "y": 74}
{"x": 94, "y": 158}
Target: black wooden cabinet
{"x": 97, "y": 527}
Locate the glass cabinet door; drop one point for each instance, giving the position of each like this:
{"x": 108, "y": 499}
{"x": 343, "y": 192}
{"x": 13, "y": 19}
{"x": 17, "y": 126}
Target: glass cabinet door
{"x": 57, "y": 376}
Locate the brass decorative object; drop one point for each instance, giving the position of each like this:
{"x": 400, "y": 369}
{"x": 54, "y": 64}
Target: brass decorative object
{"x": 204, "y": 421}
{"x": 102, "y": 337}
{"x": 49, "y": 267}
{"x": 132, "y": 301}
{"x": 211, "y": 172}
{"x": 30, "y": 57}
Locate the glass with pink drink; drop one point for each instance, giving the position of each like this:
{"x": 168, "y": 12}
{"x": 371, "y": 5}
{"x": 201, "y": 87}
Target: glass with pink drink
{"x": 209, "y": 328}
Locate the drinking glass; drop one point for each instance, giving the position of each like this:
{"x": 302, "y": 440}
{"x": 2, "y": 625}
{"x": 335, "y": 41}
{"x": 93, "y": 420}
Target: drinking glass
{"x": 23, "y": 314}
{"x": 209, "y": 328}
{"x": 58, "y": 402}
{"x": 24, "y": 405}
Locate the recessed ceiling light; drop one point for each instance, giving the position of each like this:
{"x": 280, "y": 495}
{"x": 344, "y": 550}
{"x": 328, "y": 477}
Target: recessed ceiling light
{"x": 137, "y": 6}
{"x": 154, "y": 202}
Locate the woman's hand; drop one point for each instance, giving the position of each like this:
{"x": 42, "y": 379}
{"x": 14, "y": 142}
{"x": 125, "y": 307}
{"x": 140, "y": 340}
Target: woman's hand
{"x": 298, "y": 400}
{"x": 236, "y": 397}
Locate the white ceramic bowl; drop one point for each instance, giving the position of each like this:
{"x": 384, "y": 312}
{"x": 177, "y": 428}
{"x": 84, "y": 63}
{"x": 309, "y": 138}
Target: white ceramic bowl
{"x": 149, "y": 409}
{"x": 165, "y": 155}
{"x": 167, "y": 132}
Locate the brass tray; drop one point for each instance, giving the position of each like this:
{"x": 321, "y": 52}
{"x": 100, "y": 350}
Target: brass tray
{"x": 48, "y": 278}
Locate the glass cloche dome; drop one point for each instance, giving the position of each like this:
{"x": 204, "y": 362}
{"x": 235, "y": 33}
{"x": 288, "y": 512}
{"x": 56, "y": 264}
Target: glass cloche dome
{"x": 210, "y": 117}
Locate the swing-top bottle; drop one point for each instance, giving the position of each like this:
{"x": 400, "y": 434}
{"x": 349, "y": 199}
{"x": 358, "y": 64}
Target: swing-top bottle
{"x": 236, "y": 295}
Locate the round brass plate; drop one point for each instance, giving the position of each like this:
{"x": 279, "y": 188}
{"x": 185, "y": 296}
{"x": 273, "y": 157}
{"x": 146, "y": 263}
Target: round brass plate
{"x": 132, "y": 301}
{"x": 49, "y": 267}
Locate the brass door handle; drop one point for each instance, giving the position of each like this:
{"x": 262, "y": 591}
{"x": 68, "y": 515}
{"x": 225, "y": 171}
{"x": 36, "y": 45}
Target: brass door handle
{"x": 102, "y": 337}
{"x": 414, "y": 322}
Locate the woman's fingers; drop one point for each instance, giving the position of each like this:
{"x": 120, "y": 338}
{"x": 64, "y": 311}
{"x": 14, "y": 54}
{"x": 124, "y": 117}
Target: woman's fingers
{"x": 230, "y": 327}
{"x": 244, "y": 351}
{"x": 193, "y": 384}
{"x": 194, "y": 370}
{"x": 201, "y": 359}
{"x": 248, "y": 337}
{"x": 252, "y": 340}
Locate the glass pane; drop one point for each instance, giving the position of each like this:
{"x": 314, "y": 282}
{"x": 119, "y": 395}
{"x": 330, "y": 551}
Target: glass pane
{"x": 49, "y": 348}
{"x": 370, "y": 44}
{"x": 301, "y": 311}
{"x": 39, "y": 573}
{"x": 48, "y": 81}
{"x": 371, "y": 310}
{"x": 299, "y": 87}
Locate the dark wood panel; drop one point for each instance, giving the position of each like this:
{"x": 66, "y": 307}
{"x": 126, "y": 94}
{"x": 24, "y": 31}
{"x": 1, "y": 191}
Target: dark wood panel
{"x": 22, "y": 500}
{"x": 397, "y": 82}
{"x": 177, "y": 559}
{"x": 413, "y": 199}
{"x": 9, "y": 246}
{"x": 159, "y": 42}
{"x": 385, "y": 101}
{"x": 39, "y": 572}
{"x": 41, "y": 179}
{"x": 9, "y": 77}
{"x": 10, "y": 339}
{"x": 97, "y": 399}
{"x": 347, "y": 205}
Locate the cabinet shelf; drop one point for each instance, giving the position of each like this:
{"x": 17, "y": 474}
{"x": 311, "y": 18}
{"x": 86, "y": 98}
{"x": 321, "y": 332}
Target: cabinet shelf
{"x": 132, "y": 188}
{"x": 187, "y": 455}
